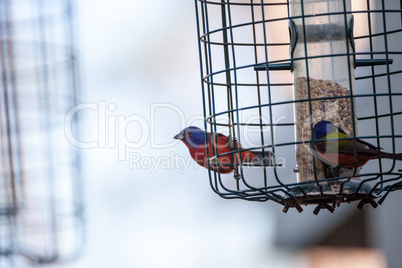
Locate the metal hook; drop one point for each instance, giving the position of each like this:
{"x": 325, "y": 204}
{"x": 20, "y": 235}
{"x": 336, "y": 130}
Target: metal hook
{"x": 293, "y": 34}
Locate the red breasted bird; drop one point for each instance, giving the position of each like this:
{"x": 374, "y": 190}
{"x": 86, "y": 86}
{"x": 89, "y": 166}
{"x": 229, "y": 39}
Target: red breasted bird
{"x": 342, "y": 152}
{"x": 194, "y": 139}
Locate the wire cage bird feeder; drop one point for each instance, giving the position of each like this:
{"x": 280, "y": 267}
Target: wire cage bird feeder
{"x": 272, "y": 70}
{"x": 41, "y": 201}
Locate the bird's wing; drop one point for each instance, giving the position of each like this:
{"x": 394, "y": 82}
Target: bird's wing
{"x": 220, "y": 142}
{"x": 259, "y": 158}
{"x": 358, "y": 140}
{"x": 349, "y": 147}
{"x": 364, "y": 147}
{"x": 217, "y": 138}
{"x": 346, "y": 146}
{"x": 368, "y": 144}
{"x": 262, "y": 155}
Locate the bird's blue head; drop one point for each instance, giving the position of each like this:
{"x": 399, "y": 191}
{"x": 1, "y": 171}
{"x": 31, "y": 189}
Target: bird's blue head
{"x": 191, "y": 136}
{"x": 322, "y": 129}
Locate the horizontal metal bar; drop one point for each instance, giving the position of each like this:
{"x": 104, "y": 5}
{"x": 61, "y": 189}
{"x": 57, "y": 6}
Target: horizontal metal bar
{"x": 379, "y": 116}
{"x": 372, "y": 62}
{"x": 273, "y": 67}
{"x": 286, "y": 66}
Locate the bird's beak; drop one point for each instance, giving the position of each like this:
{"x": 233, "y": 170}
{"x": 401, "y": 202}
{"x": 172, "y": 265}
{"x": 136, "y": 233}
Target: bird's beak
{"x": 178, "y": 137}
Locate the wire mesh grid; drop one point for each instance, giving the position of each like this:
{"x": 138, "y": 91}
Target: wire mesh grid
{"x": 41, "y": 201}
{"x": 246, "y": 59}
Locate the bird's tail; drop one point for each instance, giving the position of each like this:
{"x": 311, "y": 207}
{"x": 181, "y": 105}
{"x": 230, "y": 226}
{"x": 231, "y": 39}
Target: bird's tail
{"x": 260, "y": 158}
{"x": 389, "y": 156}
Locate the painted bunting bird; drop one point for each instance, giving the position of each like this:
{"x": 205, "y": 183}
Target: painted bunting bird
{"x": 194, "y": 139}
{"x": 342, "y": 152}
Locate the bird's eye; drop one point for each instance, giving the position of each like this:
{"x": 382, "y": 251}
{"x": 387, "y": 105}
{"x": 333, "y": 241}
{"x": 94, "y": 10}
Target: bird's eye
{"x": 189, "y": 134}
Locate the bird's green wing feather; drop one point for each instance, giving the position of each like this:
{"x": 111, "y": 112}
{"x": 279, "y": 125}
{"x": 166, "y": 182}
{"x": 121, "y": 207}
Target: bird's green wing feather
{"x": 358, "y": 140}
{"x": 347, "y": 146}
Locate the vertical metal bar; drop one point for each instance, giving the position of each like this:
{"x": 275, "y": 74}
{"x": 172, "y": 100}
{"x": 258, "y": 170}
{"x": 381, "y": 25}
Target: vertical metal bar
{"x": 227, "y": 67}
{"x": 388, "y": 81}
{"x": 269, "y": 96}
{"x": 374, "y": 86}
{"x": 8, "y": 100}
{"x": 217, "y": 175}
{"x": 229, "y": 78}
{"x": 214, "y": 183}
{"x": 18, "y": 172}
{"x": 8, "y": 164}
{"x": 73, "y": 85}
{"x": 44, "y": 97}
{"x": 235, "y": 148}
{"x": 352, "y": 108}
{"x": 257, "y": 77}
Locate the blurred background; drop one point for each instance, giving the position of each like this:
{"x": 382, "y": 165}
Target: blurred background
{"x": 146, "y": 203}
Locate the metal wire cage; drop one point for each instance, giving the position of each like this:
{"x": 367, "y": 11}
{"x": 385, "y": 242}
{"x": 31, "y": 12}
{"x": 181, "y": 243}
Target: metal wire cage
{"x": 249, "y": 64}
{"x": 41, "y": 200}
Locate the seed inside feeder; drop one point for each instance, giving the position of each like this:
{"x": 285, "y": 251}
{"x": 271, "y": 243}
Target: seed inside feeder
{"x": 338, "y": 110}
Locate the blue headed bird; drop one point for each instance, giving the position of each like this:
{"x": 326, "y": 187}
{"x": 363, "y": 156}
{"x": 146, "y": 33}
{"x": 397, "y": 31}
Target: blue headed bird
{"x": 342, "y": 152}
{"x": 194, "y": 139}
